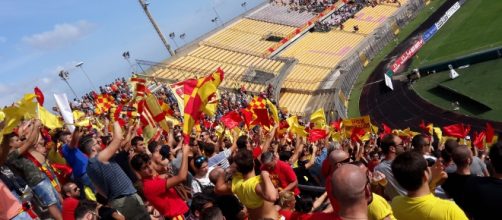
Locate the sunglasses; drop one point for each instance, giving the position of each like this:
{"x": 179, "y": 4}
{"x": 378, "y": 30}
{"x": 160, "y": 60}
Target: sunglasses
{"x": 200, "y": 160}
{"x": 344, "y": 161}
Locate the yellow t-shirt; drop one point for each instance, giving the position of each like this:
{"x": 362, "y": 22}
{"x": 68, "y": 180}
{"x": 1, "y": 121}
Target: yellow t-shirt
{"x": 246, "y": 190}
{"x": 426, "y": 207}
{"x": 379, "y": 208}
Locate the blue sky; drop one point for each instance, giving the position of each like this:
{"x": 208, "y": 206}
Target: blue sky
{"x": 39, "y": 38}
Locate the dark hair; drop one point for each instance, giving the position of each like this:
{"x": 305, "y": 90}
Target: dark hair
{"x": 211, "y": 213}
{"x": 85, "y": 143}
{"x": 136, "y": 139}
{"x": 6, "y": 140}
{"x": 460, "y": 155}
{"x": 418, "y": 142}
{"x": 209, "y": 149}
{"x": 387, "y": 142}
{"x": 85, "y": 206}
{"x": 138, "y": 160}
{"x": 165, "y": 150}
{"x": 152, "y": 145}
{"x": 496, "y": 157}
{"x": 244, "y": 161}
{"x": 242, "y": 142}
{"x": 285, "y": 155}
{"x": 199, "y": 200}
{"x": 408, "y": 169}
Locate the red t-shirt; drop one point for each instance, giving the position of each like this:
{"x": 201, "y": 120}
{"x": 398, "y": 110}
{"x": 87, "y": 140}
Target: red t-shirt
{"x": 318, "y": 215}
{"x": 69, "y": 206}
{"x": 282, "y": 175}
{"x": 166, "y": 201}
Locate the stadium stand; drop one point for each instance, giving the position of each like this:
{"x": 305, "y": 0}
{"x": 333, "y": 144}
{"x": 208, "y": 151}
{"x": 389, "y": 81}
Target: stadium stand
{"x": 281, "y": 15}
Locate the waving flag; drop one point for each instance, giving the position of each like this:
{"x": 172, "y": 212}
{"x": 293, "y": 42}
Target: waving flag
{"x": 197, "y": 93}
{"x": 479, "y": 139}
{"x": 231, "y": 119}
{"x": 317, "y": 134}
{"x": 457, "y": 130}
{"x": 427, "y": 128}
{"x": 318, "y": 118}
{"x": 40, "y": 96}
{"x": 490, "y": 133}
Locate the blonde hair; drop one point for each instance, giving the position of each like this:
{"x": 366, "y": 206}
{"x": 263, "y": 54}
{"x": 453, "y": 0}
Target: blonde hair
{"x": 285, "y": 198}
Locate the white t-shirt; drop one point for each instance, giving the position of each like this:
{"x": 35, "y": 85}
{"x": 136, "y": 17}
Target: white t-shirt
{"x": 204, "y": 181}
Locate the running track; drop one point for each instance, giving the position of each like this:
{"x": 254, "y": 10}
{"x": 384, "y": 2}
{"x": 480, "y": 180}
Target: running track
{"x": 402, "y": 107}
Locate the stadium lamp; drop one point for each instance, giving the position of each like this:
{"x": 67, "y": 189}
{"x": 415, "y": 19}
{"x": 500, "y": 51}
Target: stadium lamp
{"x": 64, "y": 75}
{"x": 182, "y": 36}
{"x": 172, "y": 35}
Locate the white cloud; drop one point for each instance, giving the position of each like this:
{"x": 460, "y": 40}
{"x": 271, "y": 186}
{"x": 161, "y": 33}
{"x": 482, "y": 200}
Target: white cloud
{"x": 3, "y": 39}
{"x": 61, "y": 35}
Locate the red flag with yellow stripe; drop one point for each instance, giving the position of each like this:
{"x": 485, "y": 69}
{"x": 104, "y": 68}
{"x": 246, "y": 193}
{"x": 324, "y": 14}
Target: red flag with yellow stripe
{"x": 197, "y": 93}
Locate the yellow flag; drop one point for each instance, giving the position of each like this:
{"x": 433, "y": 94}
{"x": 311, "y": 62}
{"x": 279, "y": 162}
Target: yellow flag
{"x": 273, "y": 110}
{"x": 318, "y": 118}
{"x": 374, "y": 129}
{"x": 439, "y": 133}
{"x": 48, "y": 119}
{"x": 2, "y": 116}
{"x": 295, "y": 127}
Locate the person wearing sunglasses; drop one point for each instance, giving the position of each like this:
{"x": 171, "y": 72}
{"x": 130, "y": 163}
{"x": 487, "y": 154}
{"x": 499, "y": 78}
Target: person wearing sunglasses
{"x": 391, "y": 145}
{"x": 201, "y": 178}
{"x": 71, "y": 193}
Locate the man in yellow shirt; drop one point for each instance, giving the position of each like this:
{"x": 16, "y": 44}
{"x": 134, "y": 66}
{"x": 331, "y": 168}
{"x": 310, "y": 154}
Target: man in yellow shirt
{"x": 412, "y": 173}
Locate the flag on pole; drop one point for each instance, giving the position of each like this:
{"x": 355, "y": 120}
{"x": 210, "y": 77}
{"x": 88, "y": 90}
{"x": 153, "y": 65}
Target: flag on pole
{"x": 197, "y": 93}
{"x": 457, "y": 130}
{"x": 40, "y": 96}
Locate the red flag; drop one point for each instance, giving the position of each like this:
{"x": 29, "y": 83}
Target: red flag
{"x": 317, "y": 134}
{"x": 386, "y": 129}
{"x": 248, "y": 116}
{"x": 261, "y": 117}
{"x": 356, "y": 134}
{"x": 40, "y": 96}
{"x": 337, "y": 125}
{"x": 478, "y": 139}
{"x": 426, "y": 128}
{"x": 490, "y": 133}
{"x": 457, "y": 130}
{"x": 231, "y": 119}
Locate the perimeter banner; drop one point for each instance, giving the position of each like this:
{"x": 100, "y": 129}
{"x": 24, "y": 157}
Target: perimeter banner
{"x": 407, "y": 55}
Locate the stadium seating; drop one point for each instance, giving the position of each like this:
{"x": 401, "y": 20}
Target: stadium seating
{"x": 368, "y": 19}
{"x": 305, "y": 77}
{"x": 323, "y": 49}
{"x": 295, "y": 102}
{"x": 248, "y": 36}
{"x": 241, "y": 59}
{"x": 281, "y": 15}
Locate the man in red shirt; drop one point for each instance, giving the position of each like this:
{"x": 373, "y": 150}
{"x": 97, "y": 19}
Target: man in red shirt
{"x": 282, "y": 175}
{"x": 71, "y": 192}
{"x": 158, "y": 189}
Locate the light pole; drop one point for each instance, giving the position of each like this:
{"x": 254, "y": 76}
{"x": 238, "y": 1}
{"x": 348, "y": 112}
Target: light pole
{"x": 80, "y": 65}
{"x": 172, "y": 35}
{"x": 64, "y": 75}
{"x": 126, "y": 56}
{"x": 144, "y": 6}
{"x": 244, "y": 4}
{"x": 182, "y": 37}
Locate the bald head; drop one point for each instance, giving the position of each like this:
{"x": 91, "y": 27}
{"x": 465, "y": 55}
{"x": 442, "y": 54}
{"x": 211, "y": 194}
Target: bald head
{"x": 461, "y": 156}
{"x": 215, "y": 174}
{"x": 337, "y": 156}
{"x": 349, "y": 185}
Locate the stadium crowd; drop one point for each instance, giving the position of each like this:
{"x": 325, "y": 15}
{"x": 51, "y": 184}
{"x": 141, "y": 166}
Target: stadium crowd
{"x": 264, "y": 172}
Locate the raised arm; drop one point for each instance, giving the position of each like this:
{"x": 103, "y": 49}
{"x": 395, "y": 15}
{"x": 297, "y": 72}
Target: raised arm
{"x": 75, "y": 137}
{"x": 31, "y": 137}
{"x": 298, "y": 149}
{"x": 266, "y": 188}
{"x": 269, "y": 138}
{"x": 312, "y": 158}
{"x": 182, "y": 174}
{"x": 114, "y": 145}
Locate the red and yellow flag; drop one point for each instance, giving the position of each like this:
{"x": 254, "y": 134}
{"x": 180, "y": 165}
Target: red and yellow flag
{"x": 197, "y": 93}
{"x": 103, "y": 103}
